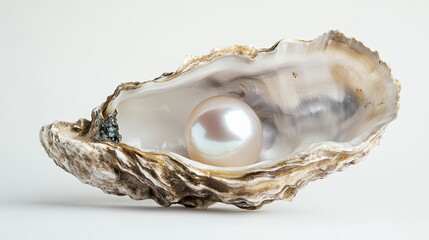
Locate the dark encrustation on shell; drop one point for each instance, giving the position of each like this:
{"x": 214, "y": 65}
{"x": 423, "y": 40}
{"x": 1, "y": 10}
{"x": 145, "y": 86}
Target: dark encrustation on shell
{"x": 313, "y": 126}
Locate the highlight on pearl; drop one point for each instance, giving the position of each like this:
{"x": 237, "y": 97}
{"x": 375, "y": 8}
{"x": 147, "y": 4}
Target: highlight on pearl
{"x": 223, "y": 131}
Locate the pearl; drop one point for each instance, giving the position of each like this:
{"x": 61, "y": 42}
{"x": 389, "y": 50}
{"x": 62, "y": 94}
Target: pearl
{"x": 223, "y": 131}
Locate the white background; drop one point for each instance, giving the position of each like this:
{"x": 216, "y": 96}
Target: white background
{"x": 60, "y": 59}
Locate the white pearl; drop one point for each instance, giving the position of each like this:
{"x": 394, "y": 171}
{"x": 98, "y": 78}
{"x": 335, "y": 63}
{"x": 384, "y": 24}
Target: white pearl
{"x": 223, "y": 131}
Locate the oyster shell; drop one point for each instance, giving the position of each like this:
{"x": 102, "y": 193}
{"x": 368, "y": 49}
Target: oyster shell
{"x": 323, "y": 104}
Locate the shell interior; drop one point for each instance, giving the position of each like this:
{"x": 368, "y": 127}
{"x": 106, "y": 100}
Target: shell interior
{"x": 304, "y": 93}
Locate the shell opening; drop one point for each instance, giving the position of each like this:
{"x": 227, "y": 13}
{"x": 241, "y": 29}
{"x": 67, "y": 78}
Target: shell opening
{"x": 303, "y": 92}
